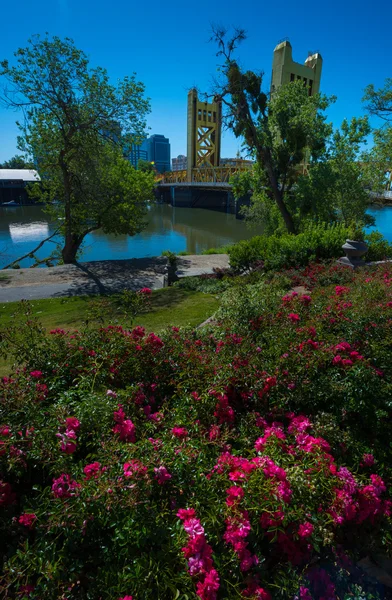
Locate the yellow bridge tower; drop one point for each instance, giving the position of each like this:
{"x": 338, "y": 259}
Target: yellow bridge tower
{"x": 204, "y": 134}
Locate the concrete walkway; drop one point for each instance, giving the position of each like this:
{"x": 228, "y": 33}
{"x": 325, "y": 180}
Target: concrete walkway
{"x": 100, "y": 277}
{"x": 196, "y": 264}
{"x": 83, "y": 279}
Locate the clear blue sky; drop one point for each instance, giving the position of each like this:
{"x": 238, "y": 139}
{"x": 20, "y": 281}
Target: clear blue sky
{"x": 166, "y": 44}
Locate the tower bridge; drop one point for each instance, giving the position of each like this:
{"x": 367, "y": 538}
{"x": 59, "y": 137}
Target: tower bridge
{"x": 205, "y": 183}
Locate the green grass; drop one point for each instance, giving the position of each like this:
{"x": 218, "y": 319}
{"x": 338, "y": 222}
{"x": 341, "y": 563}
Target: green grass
{"x": 168, "y": 307}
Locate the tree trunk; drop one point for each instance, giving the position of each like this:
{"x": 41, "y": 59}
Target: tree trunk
{"x": 71, "y": 246}
{"x": 277, "y": 193}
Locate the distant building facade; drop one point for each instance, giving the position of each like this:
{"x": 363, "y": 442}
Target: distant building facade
{"x": 13, "y": 184}
{"x": 284, "y": 69}
{"x": 136, "y": 153}
{"x": 236, "y": 162}
{"x": 180, "y": 163}
{"x": 157, "y": 147}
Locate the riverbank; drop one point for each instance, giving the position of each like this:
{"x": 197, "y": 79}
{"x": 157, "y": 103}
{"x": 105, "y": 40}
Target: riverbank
{"x": 101, "y": 277}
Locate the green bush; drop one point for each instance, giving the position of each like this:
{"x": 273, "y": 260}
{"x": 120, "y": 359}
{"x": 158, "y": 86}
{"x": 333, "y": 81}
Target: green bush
{"x": 379, "y": 247}
{"x": 320, "y": 242}
{"x": 248, "y": 461}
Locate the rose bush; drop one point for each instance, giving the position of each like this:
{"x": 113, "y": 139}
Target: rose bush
{"x": 247, "y": 460}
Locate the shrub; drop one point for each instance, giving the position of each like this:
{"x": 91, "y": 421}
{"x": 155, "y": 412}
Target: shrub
{"x": 320, "y": 242}
{"x": 251, "y": 460}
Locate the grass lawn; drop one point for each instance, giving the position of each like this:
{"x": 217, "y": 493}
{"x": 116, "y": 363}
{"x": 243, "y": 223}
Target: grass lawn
{"x": 169, "y": 306}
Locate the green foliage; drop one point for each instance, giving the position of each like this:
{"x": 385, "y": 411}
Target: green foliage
{"x": 17, "y": 162}
{"x": 305, "y": 171}
{"x": 77, "y": 126}
{"x": 171, "y": 257}
{"x": 145, "y": 166}
{"x": 273, "y": 425}
{"x": 379, "y": 247}
{"x": 377, "y": 161}
{"x": 278, "y": 252}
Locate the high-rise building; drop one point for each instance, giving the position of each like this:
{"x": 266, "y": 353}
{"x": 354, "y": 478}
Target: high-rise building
{"x": 136, "y": 153}
{"x": 179, "y": 163}
{"x": 284, "y": 69}
{"x": 157, "y": 147}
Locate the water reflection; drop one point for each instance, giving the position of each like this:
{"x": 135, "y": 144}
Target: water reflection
{"x": 175, "y": 229}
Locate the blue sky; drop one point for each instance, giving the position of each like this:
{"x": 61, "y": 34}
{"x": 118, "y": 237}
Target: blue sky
{"x": 166, "y": 44}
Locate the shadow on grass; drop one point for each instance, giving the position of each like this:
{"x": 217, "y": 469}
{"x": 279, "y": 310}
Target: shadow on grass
{"x": 167, "y": 298}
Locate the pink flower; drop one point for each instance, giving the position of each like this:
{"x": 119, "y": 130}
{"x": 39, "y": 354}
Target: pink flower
{"x": 5, "y": 431}
{"x": 36, "y": 374}
{"x": 305, "y": 530}
{"x": 162, "y": 475}
{"x": 208, "y": 588}
{"x": 299, "y": 424}
{"x": 92, "y": 471}
{"x": 145, "y": 291}
{"x": 134, "y": 467}
{"x": 305, "y": 299}
{"x": 125, "y": 429}
{"x": 179, "y": 432}
{"x": 126, "y": 598}
{"x": 294, "y": 318}
{"x": 63, "y": 487}
{"x": 68, "y": 443}
{"x": 186, "y": 513}
{"x": 262, "y": 594}
{"x": 27, "y": 519}
{"x": 72, "y": 423}
{"x": 341, "y": 289}
{"x": 368, "y": 460}
{"x": 111, "y": 393}
{"x": 304, "y": 593}
{"x": 378, "y": 484}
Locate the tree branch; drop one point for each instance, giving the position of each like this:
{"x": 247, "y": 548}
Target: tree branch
{"x": 31, "y": 251}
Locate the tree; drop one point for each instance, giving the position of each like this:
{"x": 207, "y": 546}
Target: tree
{"x": 378, "y": 161}
{"x": 76, "y": 126}
{"x": 145, "y": 166}
{"x": 379, "y": 102}
{"x": 279, "y": 132}
{"x": 335, "y": 188}
{"x": 17, "y": 162}
{"x": 288, "y": 136}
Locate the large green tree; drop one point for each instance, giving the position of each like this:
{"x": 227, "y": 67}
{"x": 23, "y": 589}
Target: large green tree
{"x": 76, "y": 126}
{"x": 378, "y": 161}
{"x": 288, "y": 135}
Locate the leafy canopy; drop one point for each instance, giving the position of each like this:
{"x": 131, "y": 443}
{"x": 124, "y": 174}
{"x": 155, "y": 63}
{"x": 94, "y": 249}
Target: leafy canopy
{"x": 287, "y": 134}
{"x": 76, "y": 126}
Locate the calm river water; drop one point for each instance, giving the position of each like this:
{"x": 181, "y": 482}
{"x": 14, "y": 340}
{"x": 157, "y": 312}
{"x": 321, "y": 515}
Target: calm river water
{"x": 175, "y": 229}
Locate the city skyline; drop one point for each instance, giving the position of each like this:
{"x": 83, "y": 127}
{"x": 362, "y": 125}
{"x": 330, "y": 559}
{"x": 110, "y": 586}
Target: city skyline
{"x": 178, "y": 57}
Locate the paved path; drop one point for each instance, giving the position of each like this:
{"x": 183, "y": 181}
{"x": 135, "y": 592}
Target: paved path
{"x": 100, "y": 277}
{"x": 197, "y": 264}
{"x": 83, "y": 279}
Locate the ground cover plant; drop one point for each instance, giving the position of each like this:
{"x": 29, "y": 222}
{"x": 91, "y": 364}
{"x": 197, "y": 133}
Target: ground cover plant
{"x": 249, "y": 459}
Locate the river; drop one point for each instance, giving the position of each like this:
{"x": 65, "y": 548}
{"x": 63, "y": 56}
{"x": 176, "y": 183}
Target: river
{"x": 175, "y": 229}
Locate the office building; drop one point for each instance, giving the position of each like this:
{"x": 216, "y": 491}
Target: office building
{"x": 157, "y": 147}
{"x": 179, "y": 163}
{"x": 136, "y": 153}
{"x": 284, "y": 69}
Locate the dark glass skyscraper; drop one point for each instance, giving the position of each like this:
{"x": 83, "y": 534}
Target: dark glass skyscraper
{"x": 158, "y": 151}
